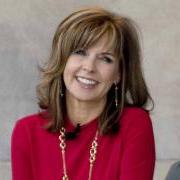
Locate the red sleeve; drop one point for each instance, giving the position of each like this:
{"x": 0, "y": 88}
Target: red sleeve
{"x": 139, "y": 149}
{"x": 20, "y": 153}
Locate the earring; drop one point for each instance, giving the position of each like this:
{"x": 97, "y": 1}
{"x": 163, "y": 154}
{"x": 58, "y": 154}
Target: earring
{"x": 61, "y": 90}
{"x": 61, "y": 94}
{"x": 116, "y": 95}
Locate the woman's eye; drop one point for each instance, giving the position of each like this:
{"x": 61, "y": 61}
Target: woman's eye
{"x": 80, "y": 52}
{"x": 107, "y": 60}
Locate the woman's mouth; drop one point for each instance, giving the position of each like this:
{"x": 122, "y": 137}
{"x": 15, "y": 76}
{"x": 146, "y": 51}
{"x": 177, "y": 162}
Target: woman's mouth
{"x": 86, "y": 82}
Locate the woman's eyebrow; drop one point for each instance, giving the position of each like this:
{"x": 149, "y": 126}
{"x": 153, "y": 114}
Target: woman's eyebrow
{"x": 108, "y": 53}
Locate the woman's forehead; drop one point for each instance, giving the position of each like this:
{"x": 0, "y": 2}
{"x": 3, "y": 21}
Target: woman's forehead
{"x": 103, "y": 45}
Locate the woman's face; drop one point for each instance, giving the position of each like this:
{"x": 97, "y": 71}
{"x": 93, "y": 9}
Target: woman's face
{"x": 90, "y": 73}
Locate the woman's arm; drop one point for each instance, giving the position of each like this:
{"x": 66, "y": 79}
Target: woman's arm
{"x": 139, "y": 149}
{"x": 20, "y": 153}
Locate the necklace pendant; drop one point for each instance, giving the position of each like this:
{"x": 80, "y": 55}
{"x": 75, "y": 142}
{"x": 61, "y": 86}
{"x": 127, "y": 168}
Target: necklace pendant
{"x": 65, "y": 177}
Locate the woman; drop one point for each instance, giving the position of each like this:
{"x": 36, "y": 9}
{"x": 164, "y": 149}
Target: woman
{"x": 93, "y": 95}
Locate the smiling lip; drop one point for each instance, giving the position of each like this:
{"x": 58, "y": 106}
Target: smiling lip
{"x": 84, "y": 82}
{"x": 87, "y": 78}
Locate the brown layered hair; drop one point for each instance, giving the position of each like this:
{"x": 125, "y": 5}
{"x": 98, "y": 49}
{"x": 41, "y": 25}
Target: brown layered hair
{"x": 82, "y": 29}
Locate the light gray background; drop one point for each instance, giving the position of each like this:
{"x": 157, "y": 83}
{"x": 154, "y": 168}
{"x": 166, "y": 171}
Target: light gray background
{"x": 26, "y": 31}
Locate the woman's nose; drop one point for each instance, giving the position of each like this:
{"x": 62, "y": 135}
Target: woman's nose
{"x": 89, "y": 64}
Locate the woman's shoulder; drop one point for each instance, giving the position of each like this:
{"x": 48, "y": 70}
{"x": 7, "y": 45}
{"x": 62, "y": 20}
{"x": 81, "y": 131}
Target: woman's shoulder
{"x": 131, "y": 111}
{"x": 26, "y": 130}
{"x": 32, "y": 120}
{"x": 135, "y": 116}
{"x": 136, "y": 126}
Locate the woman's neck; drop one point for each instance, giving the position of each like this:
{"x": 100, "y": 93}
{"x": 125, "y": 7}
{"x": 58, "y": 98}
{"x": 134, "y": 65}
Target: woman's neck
{"x": 83, "y": 111}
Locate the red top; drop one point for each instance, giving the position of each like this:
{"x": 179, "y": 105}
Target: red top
{"x": 128, "y": 155}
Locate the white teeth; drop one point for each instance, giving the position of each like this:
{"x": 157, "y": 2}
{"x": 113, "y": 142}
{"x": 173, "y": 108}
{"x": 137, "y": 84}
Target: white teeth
{"x": 86, "y": 81}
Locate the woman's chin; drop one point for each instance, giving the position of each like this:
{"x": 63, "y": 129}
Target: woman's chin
{"x": 84, "y": 98}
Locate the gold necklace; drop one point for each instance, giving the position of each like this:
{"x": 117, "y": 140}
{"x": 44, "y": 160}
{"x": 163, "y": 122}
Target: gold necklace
{"x": 92, "y": 158}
